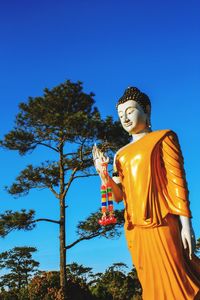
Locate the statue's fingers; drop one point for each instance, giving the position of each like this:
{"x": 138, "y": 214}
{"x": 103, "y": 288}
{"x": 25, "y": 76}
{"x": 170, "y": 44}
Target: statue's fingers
{"x": 102, "y": 154}
{"x": 106, "y": 159}
{"x": 184, "y": 242}
{"x": 93, "y": 151}
{"x": 190, "y": 249}
{"x": 93, "y": 148}
{"x": 96, "y": 153}
{"x": 93, "y": 154}
{"x": 99, "y": 153}
{"x": 96, "y": 148}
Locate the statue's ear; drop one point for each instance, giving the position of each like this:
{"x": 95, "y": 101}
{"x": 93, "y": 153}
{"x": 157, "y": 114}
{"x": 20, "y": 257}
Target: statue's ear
{"x": 148, "y": 109}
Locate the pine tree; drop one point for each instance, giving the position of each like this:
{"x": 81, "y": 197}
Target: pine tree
{"x": 65, "y": 121}
{"x": 21, "y": 266}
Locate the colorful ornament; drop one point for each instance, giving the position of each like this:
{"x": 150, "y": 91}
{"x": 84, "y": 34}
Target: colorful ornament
{"x": 107, "y": 210}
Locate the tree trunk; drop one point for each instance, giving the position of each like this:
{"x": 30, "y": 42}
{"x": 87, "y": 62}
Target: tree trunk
{"x": 63, "y": 278}
{"x": 62, "y": 249}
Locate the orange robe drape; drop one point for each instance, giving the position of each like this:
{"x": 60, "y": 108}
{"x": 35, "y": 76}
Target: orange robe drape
{"x": 155, "y": 193}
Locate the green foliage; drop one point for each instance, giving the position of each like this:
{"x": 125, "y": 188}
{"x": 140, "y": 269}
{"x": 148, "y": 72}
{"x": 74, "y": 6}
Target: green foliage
{"x": 64, "y": 113}
{"x": 75, "y": 270}
{"x": 112, "y": 134}
{"x": 66, "y": 122}
{"x": 46, "y": 286}
{"x": 21, "y": 267}
{"x": 46, "y": 175}
{"x": 90, "y": 228}
{"x": 14, "y": 294}
{"x": 115, "y": 284}
{"x": 197, "y": 246}
{"x": 10, "y": 220}
{"x": 91, "y": 225}
{"x": 64, "y": 118}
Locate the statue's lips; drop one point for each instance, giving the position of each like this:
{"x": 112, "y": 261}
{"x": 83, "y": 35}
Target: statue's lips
{"x": 128, "y": 124}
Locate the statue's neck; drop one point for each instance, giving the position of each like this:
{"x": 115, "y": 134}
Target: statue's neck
{"x": 139, "y": 135}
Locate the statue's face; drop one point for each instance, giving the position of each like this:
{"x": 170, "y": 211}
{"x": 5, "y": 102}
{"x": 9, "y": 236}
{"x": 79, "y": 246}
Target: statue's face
{"x": 132, "y": 116}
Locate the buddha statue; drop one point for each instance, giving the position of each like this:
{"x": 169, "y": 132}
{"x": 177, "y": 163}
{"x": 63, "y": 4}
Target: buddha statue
{"x": 149, "y": 178}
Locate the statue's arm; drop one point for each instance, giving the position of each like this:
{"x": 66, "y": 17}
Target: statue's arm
{"x": 177, "y": 188}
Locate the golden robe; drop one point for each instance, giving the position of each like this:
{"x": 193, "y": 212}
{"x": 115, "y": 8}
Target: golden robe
{"x": 155, "y": 193}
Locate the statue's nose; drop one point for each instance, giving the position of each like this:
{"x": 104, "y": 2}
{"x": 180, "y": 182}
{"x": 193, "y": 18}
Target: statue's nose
{"x": 126, "y": 119}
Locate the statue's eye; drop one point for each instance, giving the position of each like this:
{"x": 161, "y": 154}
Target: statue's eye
{"x": 130, "y": 111}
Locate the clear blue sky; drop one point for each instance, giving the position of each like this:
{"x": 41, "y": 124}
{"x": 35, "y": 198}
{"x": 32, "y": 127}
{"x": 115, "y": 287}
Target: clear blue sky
{"x": 108, "y": 45}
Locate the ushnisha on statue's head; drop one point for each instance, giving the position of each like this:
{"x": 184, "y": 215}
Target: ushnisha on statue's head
{"x": 134, "y": 110}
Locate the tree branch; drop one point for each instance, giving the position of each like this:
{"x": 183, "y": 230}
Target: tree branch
{"x": 45, "y": 145}
{"x": 82, "y": 176}
{"x": 54, "y": 192}
{"x": 83, "y": 239}
{"x": 69, "y": 182}
{"x": 69, "y": 154}
{"x": 46, "y": 220}
{"x": 81, "y": 150}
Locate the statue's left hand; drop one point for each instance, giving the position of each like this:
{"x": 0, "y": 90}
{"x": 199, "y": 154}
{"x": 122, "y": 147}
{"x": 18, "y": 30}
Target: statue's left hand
{"x": 187, "y": 235}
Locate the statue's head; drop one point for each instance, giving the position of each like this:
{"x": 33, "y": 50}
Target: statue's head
{"x": 134, "y": 109}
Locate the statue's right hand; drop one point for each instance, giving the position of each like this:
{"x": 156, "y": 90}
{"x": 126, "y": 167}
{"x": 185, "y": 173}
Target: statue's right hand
{"x": 100, "y": 162}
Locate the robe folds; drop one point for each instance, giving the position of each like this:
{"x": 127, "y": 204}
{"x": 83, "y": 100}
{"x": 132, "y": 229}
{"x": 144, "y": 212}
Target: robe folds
{"x": 155, "y": 193}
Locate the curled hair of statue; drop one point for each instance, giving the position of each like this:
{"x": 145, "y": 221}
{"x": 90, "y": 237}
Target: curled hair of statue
{"x": 133, "y": 93}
